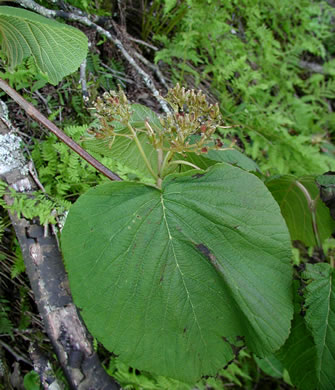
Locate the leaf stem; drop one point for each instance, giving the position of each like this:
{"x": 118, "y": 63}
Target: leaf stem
{"x": 168, "y": 157}
{"x": 311, "y": 205}
{"x": 160, "y": 157}
{"x": 139, "y": 146}
{"x": 185, "y": 163}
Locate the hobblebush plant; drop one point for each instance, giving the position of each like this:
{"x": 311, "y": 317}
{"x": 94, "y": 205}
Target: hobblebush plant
{"x": 171, "y": 273}
{"x": 190, "y": 261}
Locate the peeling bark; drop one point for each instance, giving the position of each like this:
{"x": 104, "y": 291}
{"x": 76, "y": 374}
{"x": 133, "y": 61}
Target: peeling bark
{"x": 44, "y": 369}
{"x": 44, "y": 266}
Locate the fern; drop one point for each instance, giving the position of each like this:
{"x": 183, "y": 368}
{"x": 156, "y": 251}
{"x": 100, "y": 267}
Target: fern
{"x": 6, "y": 326}
{"x": 18, "y": 266}
{"x": 35, "y": 205}
{"x": 132, "y": 379}
{"x": 3, "y": 226}
{"x": 26, "y": 75}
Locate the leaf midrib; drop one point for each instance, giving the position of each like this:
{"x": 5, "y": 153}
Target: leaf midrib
{"x": 181, "y": 273}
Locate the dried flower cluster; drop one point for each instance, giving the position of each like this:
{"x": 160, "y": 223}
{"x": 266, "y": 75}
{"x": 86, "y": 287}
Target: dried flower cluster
{"x": 192, "y": 115}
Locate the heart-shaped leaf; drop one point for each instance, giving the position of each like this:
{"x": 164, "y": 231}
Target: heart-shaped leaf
{"x": 320, "y": 319}
{"x": 298, "y": 354}
{"x": 292, "y": 195}
{"x": 164, "y": 278}
{"x": 57, "y": 49}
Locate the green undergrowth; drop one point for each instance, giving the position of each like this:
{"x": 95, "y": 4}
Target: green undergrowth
{"x": 241, "y": 373}
{"x": 64, "y": 176}
{"x": 256, "y": 55}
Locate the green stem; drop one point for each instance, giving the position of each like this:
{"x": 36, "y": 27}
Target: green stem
{"x": 185, "y": 163}
{"x": 139, "y": 146}
{"x": 160, "y": 157}
{"x": 311, "y": 204}
{"x": 168, "y": 157}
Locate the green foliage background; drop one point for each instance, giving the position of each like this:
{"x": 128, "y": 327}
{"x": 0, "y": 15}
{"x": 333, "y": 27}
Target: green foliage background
{"x": 253, "y": 53}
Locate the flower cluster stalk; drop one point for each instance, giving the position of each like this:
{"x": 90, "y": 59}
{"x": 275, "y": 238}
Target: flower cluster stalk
{"x": 189, "y": 129}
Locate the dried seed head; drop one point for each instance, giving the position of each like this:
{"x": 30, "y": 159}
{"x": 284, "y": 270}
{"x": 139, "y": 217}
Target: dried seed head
{"x": 192, "y": 115}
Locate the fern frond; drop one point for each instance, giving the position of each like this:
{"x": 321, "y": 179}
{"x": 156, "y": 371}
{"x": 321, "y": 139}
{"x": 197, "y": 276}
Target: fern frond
{"x": 6, "y": 326}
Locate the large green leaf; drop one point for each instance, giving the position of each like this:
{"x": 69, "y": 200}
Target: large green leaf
{"x": 163, "y": 278}
{"x": 320, "y": 318}
{"x": 298, "y": 354}
{"x": 57, "y": 49}
{"x": 290, "y": 194}
{"x": 126, "y": 152}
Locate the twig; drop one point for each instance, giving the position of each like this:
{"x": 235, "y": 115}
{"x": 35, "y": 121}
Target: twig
{"x": 43, "y": 100}
{"x": 312, "y": 67}
{"x": 114, "y": 71}
{"x": 155, "y": 68}
{"x": 122, "y": 6}
{"x": 35, "y": 114}
{"x": 82, "y": 81}
{"x": 17, "y": 356}
{"x": 85, "y": 20}
{"x": 139, "y": 41}
{"x": 117, "y": 74}
{"x": 33, "y": 174}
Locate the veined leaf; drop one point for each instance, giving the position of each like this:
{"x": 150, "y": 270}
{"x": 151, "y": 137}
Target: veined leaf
{"x": 234, "y": 157}
{"x": 125, "y": 151}
{"x": 57, "y": 49}
{"x": 289, "y": 192}
{"x": 165, "y": 278}
{"x": 213, "y": 156}
{"x": 298, "y": 354}
{"x": 320, "y": 318}
{"x": 230, "y": 156}
{"x": 142, "y": 113}
{"x": 270, "y": 365}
